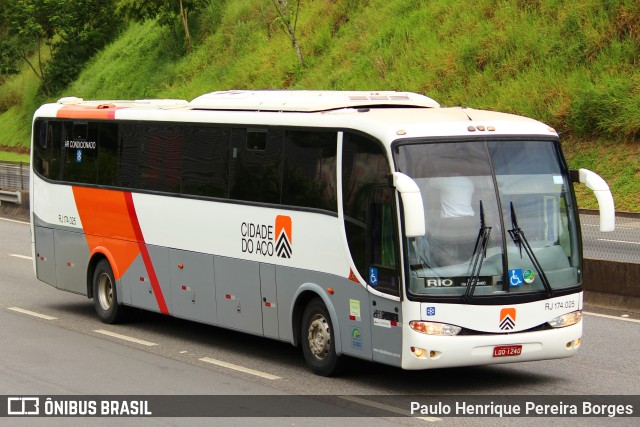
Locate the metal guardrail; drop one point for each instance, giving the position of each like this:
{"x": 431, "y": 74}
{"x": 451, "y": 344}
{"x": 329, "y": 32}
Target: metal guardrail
{"x": 14, "y": 176}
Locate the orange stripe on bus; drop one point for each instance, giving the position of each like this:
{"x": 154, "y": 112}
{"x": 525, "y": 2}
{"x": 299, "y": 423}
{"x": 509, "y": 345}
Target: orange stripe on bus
{"x": 86, "y": 112}
{"x": 104, "y": 214}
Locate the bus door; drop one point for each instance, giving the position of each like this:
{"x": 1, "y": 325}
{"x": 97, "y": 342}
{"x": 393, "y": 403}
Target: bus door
{"x": 383, "y": 277}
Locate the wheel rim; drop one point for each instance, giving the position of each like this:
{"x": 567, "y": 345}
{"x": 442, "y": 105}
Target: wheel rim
{"x": 105, "y": 291}
{"x": 319, "y": 337}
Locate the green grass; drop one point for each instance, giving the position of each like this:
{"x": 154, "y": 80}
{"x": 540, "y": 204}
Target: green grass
{"x": 8, "y": 156}
{"x": 571, "y": 64}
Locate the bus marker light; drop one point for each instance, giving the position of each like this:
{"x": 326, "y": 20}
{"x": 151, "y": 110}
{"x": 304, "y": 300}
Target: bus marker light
{"x": 330, "y": 291}
{"x": 401, "y": 132}
{"x": 180, "y": 266}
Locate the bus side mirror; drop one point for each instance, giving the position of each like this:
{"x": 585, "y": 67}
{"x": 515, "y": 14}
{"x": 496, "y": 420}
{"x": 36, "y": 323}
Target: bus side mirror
{"x": 414, "y": 224}
{"x": 601, "y": 190}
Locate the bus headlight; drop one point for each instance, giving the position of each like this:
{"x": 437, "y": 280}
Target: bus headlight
{"x": 432, "y": 328}
{"x": 566, "y": 319}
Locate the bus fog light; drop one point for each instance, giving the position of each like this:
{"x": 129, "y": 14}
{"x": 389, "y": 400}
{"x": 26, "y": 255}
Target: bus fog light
{"x": 432, "y": 328}
{"x": 420, "y": 353}
{"x": 573, "y": 344}
{"x": 566, "y": 319}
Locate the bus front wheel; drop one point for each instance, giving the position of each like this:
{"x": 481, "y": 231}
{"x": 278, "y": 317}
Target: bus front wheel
{"x": 317, "y": 339}
{"x": 105, "y": 299}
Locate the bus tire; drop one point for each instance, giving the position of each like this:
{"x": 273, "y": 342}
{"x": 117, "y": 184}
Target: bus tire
{"x": 317, "y": 339}
{"x": 105, "y": 299}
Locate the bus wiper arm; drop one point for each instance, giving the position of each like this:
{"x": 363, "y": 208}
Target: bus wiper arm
{"x": 479, "y": 254}
{"x": 518, "y": 237}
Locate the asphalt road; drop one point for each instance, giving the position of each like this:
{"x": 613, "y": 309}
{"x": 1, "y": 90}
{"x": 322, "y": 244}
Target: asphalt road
{"x": 71, "y": 352}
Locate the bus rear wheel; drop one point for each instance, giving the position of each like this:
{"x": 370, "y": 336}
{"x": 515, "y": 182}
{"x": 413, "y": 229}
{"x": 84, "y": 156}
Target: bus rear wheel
{"x": 105, "y": 298}
{"x": 317, "y": 338}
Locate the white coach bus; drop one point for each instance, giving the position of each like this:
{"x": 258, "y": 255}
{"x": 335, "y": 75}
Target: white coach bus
{"x": 375, "y": 225}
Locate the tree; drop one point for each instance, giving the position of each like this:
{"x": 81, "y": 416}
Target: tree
{"x": 83, "y": 29}
{"x": 285, "y": 16}
{"x": 167, "y": 12}
{"x": 30, "y": 26}
{"x": 71, "y": 30}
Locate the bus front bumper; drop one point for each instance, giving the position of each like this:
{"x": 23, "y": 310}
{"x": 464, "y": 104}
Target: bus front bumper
{"x": 472, "y": 350}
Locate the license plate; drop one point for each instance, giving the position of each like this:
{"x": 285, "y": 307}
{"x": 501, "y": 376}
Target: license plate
{"x": 507, "y": 350}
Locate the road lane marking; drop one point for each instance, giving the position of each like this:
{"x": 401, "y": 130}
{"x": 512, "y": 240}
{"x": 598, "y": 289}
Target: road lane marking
{"x": 21, "y": 256}
{"x": 608, "y": 316}
{"x": 239, "y": 368}
{"x": 32, "y": 313}
{"x": 13, "y": 220}
{"x": 618, "y": 241}
{"x": 125, "y": 337}
{"x": 389, "y": 408}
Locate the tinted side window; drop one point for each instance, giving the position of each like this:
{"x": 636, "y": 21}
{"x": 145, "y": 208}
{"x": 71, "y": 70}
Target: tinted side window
{"x": 108, "y": 154}
{"x": 205, "y": 161}
{"x": 256, "y": 165}
{"x": 42, "y": 147}
{"x": 80, "y": 151}
{"x": 128, "y": 142}
{"x": 364, "y": 166}
{"x": 159, "y": 158}
{"x": 309, "y": 175}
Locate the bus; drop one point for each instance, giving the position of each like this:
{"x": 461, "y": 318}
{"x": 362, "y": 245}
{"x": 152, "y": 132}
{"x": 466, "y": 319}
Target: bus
{"x": 376, "y": 225}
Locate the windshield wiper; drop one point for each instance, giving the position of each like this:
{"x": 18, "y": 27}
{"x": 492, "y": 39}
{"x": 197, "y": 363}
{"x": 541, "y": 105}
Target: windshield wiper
{"x": 479, "y": 254}
{"x": 518, "y": 237}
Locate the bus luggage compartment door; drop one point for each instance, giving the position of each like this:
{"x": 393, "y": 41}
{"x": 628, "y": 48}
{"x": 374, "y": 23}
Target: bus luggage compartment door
{"x": 269, "y": 300}
{"x": 192, "y": 286}
{"x": 46, "y": 260}
{"x": 238, "y": 294}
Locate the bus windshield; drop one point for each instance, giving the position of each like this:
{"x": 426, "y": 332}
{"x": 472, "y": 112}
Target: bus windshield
{"x": 500, "y": 218}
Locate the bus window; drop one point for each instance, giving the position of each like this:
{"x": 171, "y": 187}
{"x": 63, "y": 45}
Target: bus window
{"x": 42, "y": 148}
{"x": 256, "y": 169}
{"x": 205, "y": 161}
{"x": 128, "y": 141}
{"x": 159, "y": 163}
{"x": 381, "y": 247}
{"x": 364, "y": 166}
{"x": 80, "y": 142}
{"x": 309, "y": 176}
{"x": 107, "y": 153}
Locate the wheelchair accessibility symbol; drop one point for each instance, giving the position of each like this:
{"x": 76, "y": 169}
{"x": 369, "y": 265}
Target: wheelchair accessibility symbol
{"x": 515, "y": 277}
{"x": 373, "y": 276}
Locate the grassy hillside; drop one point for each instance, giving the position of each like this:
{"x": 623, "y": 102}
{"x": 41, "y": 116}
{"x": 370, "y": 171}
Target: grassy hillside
{"x": 572, "y": 64}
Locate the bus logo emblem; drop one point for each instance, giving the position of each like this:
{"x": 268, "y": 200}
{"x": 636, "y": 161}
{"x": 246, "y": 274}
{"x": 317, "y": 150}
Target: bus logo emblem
{"x": 507, "y": 319}
{"x": 283, "y": 236}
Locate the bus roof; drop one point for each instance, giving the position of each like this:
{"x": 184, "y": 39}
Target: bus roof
{"x": 307, "y": 101}
{"x": 387, "y": 115}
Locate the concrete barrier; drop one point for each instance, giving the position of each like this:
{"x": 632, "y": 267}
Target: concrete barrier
{"x": 610, "y": 284}
{"x": 14, "y": 197}
{"x": 15, "y": 204}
